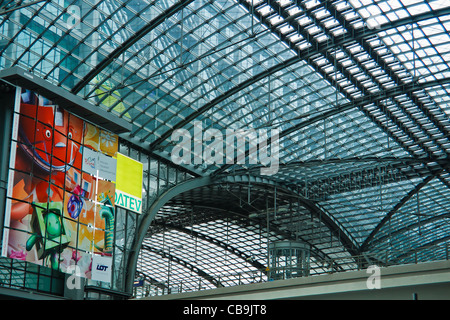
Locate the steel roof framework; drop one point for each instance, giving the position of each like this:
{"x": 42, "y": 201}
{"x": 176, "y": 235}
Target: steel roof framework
{"x": 359, "y": 90}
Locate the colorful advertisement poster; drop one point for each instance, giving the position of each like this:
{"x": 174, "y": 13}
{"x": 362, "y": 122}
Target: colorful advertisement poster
{"x": 129, "y": 183}
{"x": 61, "y": 191}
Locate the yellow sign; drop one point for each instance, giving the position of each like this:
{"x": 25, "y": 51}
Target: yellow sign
{"x": 129, "y": 175}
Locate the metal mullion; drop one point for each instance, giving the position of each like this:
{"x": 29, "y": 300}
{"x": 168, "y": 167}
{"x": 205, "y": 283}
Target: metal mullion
{"x": 50, "y": 22}
{"x": 21, "y": 29}
{"x": 261, "y": 107}
{"x": 129, "y": 42}
{"x": 164, "y": 110}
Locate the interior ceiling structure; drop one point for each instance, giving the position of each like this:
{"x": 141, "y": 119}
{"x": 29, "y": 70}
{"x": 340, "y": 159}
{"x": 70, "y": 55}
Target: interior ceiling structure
{"x": 358, "y": 89}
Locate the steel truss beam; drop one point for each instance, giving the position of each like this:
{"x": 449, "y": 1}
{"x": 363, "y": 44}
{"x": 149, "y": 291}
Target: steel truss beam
{"x": 423, "y": 246}
{"x": 243, "y": 219}
{"x": 377, "y": 161}
{"x": 185, "y": 264}
{"x": 391, "y": 73}
{"x": 245, "y": 222}
{"x": 339, "y": 231}
{"x": 356, "y": 103}
{"x": 349, "y": 76}
{"x": 366, "y": 99}
{"x": 417, "y": 224}
{"x": 18, "y": 6}
{"x": 375, "y": 171}
{"x": 221, "y": 244}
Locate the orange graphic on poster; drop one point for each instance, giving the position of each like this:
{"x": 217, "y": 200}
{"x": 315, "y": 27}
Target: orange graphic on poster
{"x": 59, "y": 215}
{"x": 92, "y": 136}
{"x": 47, "y": 148}
{"x": 109, "y": 143}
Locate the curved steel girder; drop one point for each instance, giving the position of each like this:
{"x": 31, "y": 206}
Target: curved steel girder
{"x": 356, "y": 103}
{"x": 218, "y": 243}
{"x": 304, "y": 54}
{"x": 127, "y": 44}
{"x": 150, "y": 215}
{"x": 405, "y": 199}
{"x": 395, "y": 209}
{"x": 185, "y": 264}
{"x": 339, "y": 231}
{"x": 368, "y": 99}
{"x": 316, "y": 252}
{"x": 373, "y": 53}
{"x": 248, "y": 222}
{"x": 406, "y": 161}
{"x": 17, "y": 6}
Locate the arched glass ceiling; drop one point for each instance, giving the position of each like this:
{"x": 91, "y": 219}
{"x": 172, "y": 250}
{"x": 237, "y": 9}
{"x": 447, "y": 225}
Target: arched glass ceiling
{"x": 359, "y": 90}
{"x": 231, "y": 259}
{"x": 165, "y": 64}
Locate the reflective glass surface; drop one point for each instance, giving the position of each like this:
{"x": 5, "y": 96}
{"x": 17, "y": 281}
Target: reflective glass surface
{"x": 357, "y": 89}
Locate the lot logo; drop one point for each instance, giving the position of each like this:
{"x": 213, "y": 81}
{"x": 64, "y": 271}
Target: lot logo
{"x": 213, "y": 147}
{"x": 102, "y": 267}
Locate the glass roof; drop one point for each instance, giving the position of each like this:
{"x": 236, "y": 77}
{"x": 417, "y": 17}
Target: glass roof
{"x": 358, "y": 89}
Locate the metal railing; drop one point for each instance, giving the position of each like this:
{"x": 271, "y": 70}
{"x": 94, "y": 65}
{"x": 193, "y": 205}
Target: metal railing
{"x": 317, "y": 268}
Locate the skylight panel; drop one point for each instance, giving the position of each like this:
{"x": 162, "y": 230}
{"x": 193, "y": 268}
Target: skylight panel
{"x": 294, "y": 10}
{"x": 407, "y": 3}
{"x": 322, "y": 38}
{"x": 375, "y": 22}
{"x": 366, "y": 2}
{"x": 320, "y": 14}
{"x": 417, "y": 9}
{"x": 265, "y": 10}
{"x": 284, "y": 2}
{"x": 304, "y": 21}
{"x": 276, "y": 20}
{"x": 286, "y": 29}
{"x": 311, "y": 3}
